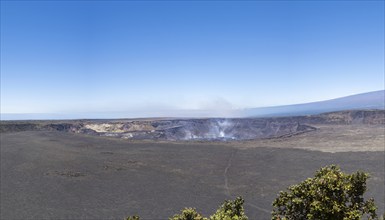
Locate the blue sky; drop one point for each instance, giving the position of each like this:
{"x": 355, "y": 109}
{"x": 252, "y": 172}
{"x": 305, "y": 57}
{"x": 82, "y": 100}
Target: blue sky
{"x": 67, "y": 57}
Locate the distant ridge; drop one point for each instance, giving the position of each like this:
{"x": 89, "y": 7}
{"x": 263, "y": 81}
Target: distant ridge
{"x": 369, "y": 100}
{"x": 364, "y": 101}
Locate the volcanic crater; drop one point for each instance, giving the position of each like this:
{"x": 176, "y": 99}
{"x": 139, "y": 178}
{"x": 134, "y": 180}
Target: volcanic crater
{"x": 207, "y": 129}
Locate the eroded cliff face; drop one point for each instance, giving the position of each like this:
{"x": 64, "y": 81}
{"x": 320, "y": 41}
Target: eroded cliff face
{"x": 355, "y": 117}
{"x": 213, "y": 129}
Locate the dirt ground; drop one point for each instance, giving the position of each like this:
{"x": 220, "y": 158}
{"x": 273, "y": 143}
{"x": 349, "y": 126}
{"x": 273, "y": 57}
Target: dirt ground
{"x": 331, "y": 138}
{"x": 59, "y": 175}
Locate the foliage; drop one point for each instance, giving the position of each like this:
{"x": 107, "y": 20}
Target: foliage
{"x": 188, "y": 214}
{"x": 134, "y": 217}
{"x": 331, "y": 194}
{"x": 230, "y": 210}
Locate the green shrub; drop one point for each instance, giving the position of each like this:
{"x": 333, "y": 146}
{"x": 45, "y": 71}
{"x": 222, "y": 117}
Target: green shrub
{"x": 230, "y": 210}
{"x": 331, "y": 194}
{"x": 188, "y": 214}
{"x": 134, "y": 217}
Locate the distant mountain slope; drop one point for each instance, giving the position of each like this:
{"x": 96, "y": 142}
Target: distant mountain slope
{"x": 370, "y": 100}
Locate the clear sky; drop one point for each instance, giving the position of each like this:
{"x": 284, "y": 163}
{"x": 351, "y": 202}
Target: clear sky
{"x": 131, "y": 56}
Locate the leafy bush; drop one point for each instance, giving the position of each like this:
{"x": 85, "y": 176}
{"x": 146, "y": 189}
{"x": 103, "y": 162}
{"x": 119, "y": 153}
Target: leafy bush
{"x": 230, "y": 210}
{"x": 331, "y": 194}
{"x": 134, "y": 217}
{"x": 188, "y": 214}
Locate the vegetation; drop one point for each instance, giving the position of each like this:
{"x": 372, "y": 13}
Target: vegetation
{"x": 330, "y": 195}
{"x": 188, "y": 214}
{"x": 134, "y": 217}
{"x": 229, "y": 210}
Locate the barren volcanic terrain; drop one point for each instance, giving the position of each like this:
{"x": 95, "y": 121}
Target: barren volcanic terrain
{"x": 109, "y": 169}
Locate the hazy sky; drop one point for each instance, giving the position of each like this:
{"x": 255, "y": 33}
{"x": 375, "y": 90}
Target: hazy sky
{"x": 122, "y": 56}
